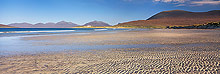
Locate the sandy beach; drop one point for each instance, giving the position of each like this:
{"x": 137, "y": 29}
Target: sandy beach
{"x": 178, "y": 51}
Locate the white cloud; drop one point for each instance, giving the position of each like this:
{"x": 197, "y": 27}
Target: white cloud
{"x": 184, "y": 2}
{"x": 205, "y": 2}
{"x": 166, "y": 1}
{"x": 190, "y": 2}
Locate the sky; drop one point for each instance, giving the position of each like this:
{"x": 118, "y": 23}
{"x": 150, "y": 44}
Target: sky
{"x": 84, "y": 11}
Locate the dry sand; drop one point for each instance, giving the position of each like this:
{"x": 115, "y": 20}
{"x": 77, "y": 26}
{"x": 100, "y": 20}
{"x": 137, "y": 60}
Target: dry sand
{"x": 188, "y": 51}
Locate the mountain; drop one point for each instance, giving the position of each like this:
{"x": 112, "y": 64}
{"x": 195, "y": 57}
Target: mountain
{"x": 96, "y": 23}
{"x": 180, "y": 14}
{"x": 176, "y": 17}
{"x": 5, "y": 26}
{"x": 21, "y": 25}
{"x": 65, "y": 24}
{"x": 41, "y": 25}
{"x": 61, "y": 24}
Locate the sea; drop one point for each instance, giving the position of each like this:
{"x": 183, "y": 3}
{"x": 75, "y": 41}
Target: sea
{"x": 51, "y": 31}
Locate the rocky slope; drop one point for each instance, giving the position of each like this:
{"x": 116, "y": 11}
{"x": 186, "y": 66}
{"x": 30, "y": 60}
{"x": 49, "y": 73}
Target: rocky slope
{"x": 212, "y": 25}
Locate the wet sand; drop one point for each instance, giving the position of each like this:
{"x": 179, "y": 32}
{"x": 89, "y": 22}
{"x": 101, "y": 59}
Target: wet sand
{"x": 187, "y": 51}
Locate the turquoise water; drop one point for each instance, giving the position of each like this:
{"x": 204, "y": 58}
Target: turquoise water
{"x": 45, "y": 31}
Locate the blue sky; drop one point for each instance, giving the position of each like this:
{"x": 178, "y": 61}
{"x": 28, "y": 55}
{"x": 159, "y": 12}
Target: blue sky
{"x": 83, "y": 11}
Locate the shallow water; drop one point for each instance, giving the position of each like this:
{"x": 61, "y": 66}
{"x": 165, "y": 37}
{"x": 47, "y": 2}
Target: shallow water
{"x": 14, "y": 46}
{"x": 11, "y": 43}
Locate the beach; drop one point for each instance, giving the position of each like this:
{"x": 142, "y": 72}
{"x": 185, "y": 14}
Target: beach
{"x": 136, "y": 51}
